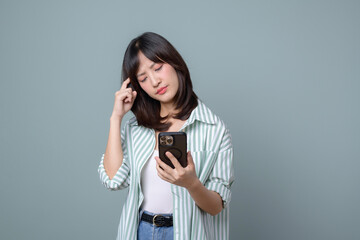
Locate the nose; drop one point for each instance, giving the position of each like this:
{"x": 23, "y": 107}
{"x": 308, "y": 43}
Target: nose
{"x": 155, "y": 81}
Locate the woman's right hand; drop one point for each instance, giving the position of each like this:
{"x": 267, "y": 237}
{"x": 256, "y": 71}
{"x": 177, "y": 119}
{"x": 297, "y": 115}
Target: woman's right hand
{"x": 124, "y": 99}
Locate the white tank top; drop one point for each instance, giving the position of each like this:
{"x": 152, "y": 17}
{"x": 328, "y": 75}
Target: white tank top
{"x": 157, "y": 192}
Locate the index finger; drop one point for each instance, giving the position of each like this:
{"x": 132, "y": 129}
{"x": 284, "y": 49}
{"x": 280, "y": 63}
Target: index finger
{"x": 173, "y": 159}
{"x": 125, "y": 83}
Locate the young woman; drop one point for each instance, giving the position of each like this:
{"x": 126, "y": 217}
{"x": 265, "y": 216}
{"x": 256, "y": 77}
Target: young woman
{"x": 162, "y": 202}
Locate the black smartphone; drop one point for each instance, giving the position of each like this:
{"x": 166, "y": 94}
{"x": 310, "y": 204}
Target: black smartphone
{"x": 174, "y": 142}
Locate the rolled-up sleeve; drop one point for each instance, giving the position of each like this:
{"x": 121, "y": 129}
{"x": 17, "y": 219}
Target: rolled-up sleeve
{"x": 222, "y": 175}
{"x": 121, "y": 179}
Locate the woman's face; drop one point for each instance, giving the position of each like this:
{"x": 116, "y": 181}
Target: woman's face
{"x": 158, "y": 80}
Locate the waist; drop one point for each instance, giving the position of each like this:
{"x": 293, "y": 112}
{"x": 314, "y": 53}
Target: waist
{"x": 159, "y": 220}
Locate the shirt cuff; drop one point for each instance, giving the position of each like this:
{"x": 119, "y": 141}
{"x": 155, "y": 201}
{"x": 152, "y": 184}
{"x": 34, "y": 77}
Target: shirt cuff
{"x": 222, "y": 190}
{"x": 119, "y": 181}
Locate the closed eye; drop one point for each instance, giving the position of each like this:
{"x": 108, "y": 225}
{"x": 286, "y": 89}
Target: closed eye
{"x": 156, "y": 70}
{"x": 159, "y": 68}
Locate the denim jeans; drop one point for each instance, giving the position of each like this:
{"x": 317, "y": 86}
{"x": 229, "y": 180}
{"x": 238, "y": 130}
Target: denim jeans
{"x": 148, "y": 231}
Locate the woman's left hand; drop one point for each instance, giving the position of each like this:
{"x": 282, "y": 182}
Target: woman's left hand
{"x": 184, "y": 177}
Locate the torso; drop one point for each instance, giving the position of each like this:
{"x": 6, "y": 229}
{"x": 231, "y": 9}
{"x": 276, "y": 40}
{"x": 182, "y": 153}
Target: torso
{"x": 157, "y": 192}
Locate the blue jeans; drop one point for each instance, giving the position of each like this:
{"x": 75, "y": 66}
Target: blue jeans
{"x": 148, "y": 231}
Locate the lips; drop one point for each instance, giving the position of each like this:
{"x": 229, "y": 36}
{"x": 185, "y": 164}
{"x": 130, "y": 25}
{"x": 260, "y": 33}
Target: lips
{"x": 161, "y": 90}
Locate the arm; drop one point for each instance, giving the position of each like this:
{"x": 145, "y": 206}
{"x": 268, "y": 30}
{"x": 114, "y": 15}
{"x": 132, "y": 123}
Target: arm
{"x": 124, "y": 99}
{"x": 221, "y": 177}
{"x": 113, "y": 169}
{"x": 208, "y": 201}
{"x": 216, "y": 193}
{"x": 120, "y": 178}
{"x": 113, "y": 157}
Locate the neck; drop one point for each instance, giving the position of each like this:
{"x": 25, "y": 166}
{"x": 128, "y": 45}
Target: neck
{"x": 167, "y": 109}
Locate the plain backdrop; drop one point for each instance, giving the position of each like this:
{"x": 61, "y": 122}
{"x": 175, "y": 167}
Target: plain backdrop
{"x": 283, "y": 75}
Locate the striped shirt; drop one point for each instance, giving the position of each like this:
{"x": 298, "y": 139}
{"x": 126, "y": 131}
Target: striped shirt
{"x": 210, "y": 144}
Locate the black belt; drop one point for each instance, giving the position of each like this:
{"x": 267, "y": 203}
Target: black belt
{"x": 158, "y": 220}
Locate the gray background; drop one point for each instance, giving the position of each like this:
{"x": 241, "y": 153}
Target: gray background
{"x": 283, "y": 75}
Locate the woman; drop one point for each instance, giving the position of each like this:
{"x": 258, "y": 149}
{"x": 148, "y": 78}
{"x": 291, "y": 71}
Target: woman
{"x": 162, "y": 202}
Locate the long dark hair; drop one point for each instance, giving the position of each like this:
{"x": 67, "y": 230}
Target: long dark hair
{"x": 159, "y": 50}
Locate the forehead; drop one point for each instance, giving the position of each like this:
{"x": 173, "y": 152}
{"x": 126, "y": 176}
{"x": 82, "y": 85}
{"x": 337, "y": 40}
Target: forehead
{"x": 144, "y": 62}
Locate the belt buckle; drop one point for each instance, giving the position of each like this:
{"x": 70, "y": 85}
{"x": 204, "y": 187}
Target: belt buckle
{"x": 154, "y": 220}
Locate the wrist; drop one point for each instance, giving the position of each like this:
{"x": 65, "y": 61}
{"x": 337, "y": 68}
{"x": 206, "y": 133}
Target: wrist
{"x": 194, "y": 185}
{"x": 115, "y": 118}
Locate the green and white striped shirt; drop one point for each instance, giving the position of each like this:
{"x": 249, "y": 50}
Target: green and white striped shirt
{"x": 210, "y": 144}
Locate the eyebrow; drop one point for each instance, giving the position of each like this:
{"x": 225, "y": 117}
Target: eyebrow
{"x": 143, "y": 72}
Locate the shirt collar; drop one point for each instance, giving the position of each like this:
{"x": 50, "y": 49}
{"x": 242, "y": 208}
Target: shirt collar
{"x": 201, "y": 113}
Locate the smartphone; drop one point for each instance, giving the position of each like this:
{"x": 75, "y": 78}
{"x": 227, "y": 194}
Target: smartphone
{"x": 174, "y": 142}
